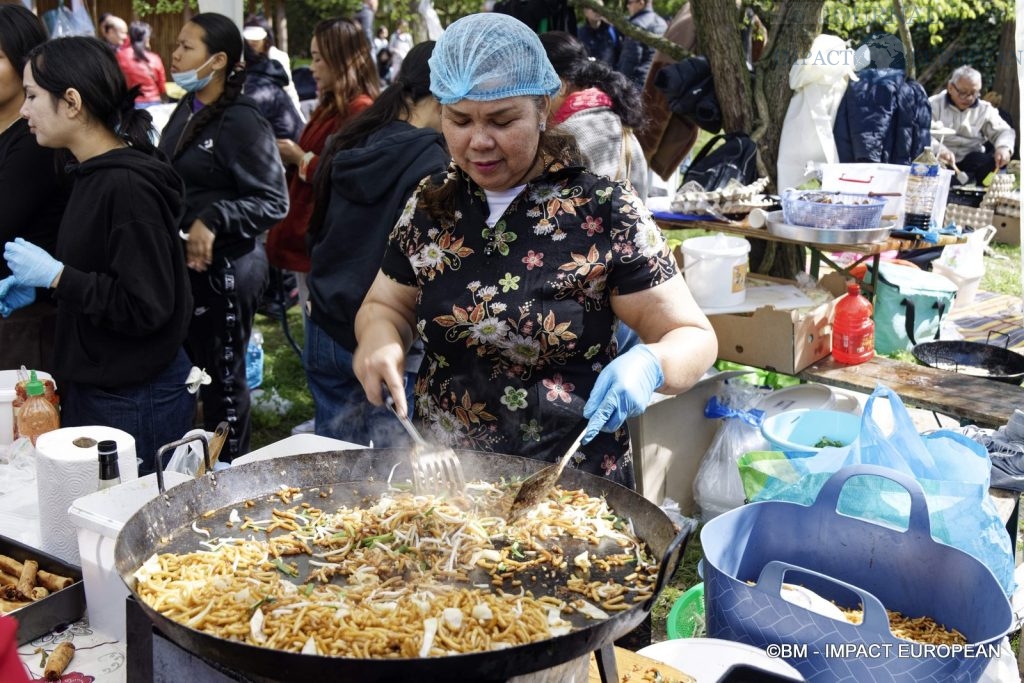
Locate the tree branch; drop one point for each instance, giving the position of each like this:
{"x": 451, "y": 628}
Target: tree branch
{"x": 908, "y": 42}
{"x": 621, "y": 22}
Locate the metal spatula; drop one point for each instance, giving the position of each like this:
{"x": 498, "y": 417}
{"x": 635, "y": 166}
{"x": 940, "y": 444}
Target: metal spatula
{"x": 536, "y": 487}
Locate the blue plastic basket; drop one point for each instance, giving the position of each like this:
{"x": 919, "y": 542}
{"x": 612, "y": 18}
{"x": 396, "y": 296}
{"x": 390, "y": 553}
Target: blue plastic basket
{"x": 832, "y": 210}
{"x": 849, "y": 561}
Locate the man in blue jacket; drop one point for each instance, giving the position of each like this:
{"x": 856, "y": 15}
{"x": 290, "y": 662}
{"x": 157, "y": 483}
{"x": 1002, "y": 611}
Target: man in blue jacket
{"x": 635, "y": 57}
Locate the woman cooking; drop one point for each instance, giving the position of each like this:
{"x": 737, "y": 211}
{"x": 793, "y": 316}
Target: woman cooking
{"x": 515, "y": 266}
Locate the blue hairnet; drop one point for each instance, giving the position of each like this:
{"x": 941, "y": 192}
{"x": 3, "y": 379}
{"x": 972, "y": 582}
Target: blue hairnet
{"x": 489, "y": 56}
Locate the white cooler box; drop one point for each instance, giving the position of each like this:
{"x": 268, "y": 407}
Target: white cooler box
{"x": 99, "y": 517}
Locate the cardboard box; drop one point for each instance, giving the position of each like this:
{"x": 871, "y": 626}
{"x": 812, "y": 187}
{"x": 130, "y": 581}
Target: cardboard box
{"x": 1007, "y": 228}
{"x": 783, "y": 341}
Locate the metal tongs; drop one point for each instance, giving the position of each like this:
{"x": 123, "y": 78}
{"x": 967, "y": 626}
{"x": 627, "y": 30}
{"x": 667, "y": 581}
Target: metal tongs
{"x": 435, "y": 470}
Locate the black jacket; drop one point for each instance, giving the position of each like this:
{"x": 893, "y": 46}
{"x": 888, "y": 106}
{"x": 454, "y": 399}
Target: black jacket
{"x": 32, "y": 194}
{"x": 265, "y": 81}
{"x": 123, "y": 300}
{"x": 234, "y": 180}
{"x": 635, "y": 57}
{"x": 884, "y": 117}
{"x": 369, "y": 188}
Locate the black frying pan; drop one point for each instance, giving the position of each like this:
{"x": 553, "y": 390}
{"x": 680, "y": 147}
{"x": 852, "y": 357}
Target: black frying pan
{"x": 164, "y": 524}
{"x": 972, "y": 358}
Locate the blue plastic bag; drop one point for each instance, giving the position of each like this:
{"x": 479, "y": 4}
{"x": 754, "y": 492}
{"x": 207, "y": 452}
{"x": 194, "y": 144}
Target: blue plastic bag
{"x": 952, "y": 469}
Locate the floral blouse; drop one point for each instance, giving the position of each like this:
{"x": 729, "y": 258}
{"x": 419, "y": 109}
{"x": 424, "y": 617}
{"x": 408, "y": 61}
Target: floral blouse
{"x": 516, "y": 319}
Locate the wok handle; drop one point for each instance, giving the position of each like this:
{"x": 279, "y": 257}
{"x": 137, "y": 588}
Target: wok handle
{"x": 1006, "y": 338}
{"x": 170, "y": 447}
{"x": 665, "y": 572}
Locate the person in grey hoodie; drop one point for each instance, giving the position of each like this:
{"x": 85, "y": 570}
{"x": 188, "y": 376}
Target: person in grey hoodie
{"x": 367, "y": 173}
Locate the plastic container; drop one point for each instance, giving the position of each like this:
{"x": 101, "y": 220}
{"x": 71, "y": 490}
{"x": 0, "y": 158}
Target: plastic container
{"x": 37, "y": 415}
{"x": 99, "y": 517}
{"x": 849, "y": 561}
{"x": 8, "y": 394}
{"x": 687, "y": 614}
{"x": 798, "y": 431}
{"x": 853, "y": 328}
{"x": 832, "y": 210}
{"x": 715, "y": 268}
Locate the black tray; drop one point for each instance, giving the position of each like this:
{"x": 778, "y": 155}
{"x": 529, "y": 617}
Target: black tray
{"x": 55, "y": 610}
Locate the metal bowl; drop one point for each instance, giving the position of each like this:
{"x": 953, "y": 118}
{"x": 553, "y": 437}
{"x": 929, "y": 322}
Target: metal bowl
{"x": 778, "y": 227}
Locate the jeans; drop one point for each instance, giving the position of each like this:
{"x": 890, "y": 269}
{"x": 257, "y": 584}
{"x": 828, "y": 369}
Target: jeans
{"x": 342, "y": 411}
{"x": 226, "y": 297}
{"x": 154, "y": 413}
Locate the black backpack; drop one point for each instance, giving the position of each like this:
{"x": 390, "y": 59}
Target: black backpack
{"x": 713, "y": 167}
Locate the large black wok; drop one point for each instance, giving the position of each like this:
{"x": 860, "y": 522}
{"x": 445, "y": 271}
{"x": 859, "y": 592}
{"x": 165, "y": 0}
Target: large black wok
{"x": 164, "y": 525}
{"x": 973, "y": 358}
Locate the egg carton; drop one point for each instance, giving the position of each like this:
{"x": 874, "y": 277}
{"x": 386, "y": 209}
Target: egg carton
{"x": 961, "y": 215}
{"x": 734, "y": 198}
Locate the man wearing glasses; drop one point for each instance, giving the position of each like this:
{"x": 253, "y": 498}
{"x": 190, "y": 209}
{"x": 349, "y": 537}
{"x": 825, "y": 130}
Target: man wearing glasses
{"x": 635, "y": 57}
{"x": 974, "y": 122}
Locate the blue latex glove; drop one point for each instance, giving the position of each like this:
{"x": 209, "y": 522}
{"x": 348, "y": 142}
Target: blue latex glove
{"x": 14, "y": 295}
{"x": 623, "y": 390}
{"x": 31, "y": 264}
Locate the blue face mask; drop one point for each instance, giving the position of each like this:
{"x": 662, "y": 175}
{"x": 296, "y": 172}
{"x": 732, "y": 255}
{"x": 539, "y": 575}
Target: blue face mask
{"x": 189, "y": 81}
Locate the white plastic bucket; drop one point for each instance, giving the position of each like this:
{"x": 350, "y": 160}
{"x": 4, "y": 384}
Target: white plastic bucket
{"x": 966, "y": 284}
{"x": 8, "y": 382}
{"x": 715, "y": 268}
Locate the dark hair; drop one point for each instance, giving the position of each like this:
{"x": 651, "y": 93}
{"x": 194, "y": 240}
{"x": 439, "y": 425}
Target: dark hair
{"x": 396, "y": 102}
{"x": 87, "y": 65}
{"x": 438, "y": 199}
{"x": 139, "y": 33}
{"x": 343, "y": 46}
{"x": 573, "y": 64}
{"x": 20, "y": 31}
{"x": 220, "y": 34}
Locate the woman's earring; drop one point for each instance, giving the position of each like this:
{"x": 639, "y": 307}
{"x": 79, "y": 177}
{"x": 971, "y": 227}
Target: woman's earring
{"x": 542, "y": 126}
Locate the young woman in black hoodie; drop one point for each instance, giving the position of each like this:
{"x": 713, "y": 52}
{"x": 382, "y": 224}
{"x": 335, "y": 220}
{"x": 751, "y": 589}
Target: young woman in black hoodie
{"x": 366, "y": 174}
{"x": 119, "y": 275}
{"x": 235, "y": 190}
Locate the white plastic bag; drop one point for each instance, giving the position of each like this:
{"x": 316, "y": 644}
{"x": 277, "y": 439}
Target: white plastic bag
{"x": 968, "y": 260}
{"x": 818, "y": 83}
{"x": 717, "y": 488}
{"x": 186, "y": 458}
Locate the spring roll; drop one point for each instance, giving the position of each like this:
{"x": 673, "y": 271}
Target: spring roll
{"x": 52, "y": 582}
{"x": 58, "y": 661}
{"x": 27, "y": 580}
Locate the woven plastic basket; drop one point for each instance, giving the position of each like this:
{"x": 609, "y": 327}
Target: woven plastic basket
{"x": 832, "y": 210}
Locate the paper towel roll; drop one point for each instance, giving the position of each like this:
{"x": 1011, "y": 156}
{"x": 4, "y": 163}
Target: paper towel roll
{"x": 67, "y": 467}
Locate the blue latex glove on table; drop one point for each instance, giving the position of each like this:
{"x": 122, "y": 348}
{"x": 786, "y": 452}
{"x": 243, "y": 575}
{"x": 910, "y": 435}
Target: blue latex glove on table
{"x": 623, "y": 390}
{"x": 30, "y": 264}
{"x": 14, "y": 295}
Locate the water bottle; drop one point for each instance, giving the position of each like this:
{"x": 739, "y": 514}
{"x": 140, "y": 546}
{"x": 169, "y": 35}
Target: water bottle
{"x": 36, "y": 415}
{"x": 853, "y": 330}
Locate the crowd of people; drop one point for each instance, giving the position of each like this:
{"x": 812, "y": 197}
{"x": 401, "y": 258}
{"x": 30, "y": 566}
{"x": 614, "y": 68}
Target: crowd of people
{"x": 164, "y": 273}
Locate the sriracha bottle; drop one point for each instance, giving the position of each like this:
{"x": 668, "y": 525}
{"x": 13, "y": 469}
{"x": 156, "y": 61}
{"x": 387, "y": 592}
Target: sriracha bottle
{"x": 853, "y": 330}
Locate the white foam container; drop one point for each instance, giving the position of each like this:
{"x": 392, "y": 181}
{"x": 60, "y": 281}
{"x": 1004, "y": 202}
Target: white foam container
{"x": 99, "y": 517}
{"x": 8, "y": 382}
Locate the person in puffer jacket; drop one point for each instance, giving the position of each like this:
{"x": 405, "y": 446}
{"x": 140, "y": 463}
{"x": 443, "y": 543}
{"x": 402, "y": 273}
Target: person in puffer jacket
{"x": 265, "y": 83}
{"x": 884, "y": 117}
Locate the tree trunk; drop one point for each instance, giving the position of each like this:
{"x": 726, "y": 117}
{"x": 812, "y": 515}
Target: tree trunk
{"x": 1006, "y": 82}
{"x": 281, "y": 24}
{"x": 720, "y": 35}
{"x": 793, "y": 29}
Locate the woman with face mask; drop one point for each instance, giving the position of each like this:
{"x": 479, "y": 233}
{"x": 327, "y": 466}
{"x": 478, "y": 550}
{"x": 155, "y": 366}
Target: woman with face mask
{"x": 235, "y": 190}
{"x": 515, "y": 267}
{"x": 118, "y": 275}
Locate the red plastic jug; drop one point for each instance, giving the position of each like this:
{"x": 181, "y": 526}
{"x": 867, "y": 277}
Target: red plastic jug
{"x": 853, "y": 330}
